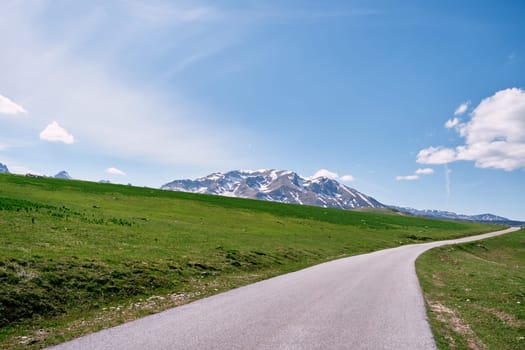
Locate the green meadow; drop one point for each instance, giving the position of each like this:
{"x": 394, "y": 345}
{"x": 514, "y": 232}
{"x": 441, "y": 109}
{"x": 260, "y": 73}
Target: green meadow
{"x": 475, "y": 293}
{"x": 78, "y": 256}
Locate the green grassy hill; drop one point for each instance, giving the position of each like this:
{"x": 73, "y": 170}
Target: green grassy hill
{"x": 475, "y": 293}
{"x": 79, "y": 256}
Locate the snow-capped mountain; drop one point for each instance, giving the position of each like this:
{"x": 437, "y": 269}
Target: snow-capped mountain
{"x": 3, "y": 168}
{"x": 278, "y": 186}
{"x": 448, "y": 215}
{"x": 63, "y": 175}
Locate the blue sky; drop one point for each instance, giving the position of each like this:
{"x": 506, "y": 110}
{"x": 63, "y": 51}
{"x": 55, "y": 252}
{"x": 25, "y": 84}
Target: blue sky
{"x": 416, "y": 103}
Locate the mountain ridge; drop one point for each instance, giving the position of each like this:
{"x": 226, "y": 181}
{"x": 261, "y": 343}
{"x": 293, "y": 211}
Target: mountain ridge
{"x": 63, "y": 175}
{"x": 449, "y": 215}
{"x": 288, "y": 187}
{"x": 278, "y": 186}
{"x": 4, "y": 169}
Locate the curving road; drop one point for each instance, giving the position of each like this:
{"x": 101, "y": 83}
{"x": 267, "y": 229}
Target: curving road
{"x": 370, "y": 301}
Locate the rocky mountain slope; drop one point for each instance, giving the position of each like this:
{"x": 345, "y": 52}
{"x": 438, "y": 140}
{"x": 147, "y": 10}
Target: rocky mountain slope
{"x": 63, "y": 175}
{"x": 3, "y": 168}
{"x": 279, "y": 186}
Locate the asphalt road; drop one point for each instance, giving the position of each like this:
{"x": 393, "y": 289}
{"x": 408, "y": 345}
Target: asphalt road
{"x": 370, "y": 301}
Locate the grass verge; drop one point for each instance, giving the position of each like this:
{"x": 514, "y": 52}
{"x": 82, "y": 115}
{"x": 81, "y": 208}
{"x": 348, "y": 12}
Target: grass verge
{"x": 77, "y": 256}
{"x": 475, "y": 293}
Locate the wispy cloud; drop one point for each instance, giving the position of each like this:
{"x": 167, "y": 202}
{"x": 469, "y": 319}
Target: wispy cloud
{"x": 494, "y": 136}
{"x": 291, "y": 13}
{"x": 425, "y": 171}
{"x": 55, "y": 133}
{"x": 7, "y": 106}
{"x": 512, "y": 58}
{"x": 415, "y": 176}
{"x": 436, "y": 155}
{"x": 452, "y": 123}
{"x": 325, "y": 173}
{"x": 347, "y": 178}
{"x": 168, "y": 12}
{"x": 447, "y": 182}
{"x": 407, "y": 178}
{"x": 462, "y": 108}
{"x": 332, "y": 175}
{"x": 105, "y": 110}
{"x": 115, "y": 171}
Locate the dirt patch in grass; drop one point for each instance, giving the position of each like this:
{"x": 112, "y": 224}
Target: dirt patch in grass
{"x": 436, "y": 280}
{"x": 475, "y": 293}
{"x": 507, "y": 319}
{"x": 454, "y": 322}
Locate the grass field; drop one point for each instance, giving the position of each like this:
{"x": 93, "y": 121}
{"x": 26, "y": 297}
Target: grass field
{"x": 78, "y": 256}
{"x": 475, "y": 293}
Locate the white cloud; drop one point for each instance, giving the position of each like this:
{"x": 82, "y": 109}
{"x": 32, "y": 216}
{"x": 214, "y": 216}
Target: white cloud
{"x": 462, "y": 108}
{"x": 407, "y": 178}
{"x": 115, "y": 171}
{"x": 452, "y": 123}
{"x": 436, "y": 155}
{"x": 347, "y": 178}
{"x": 7, "y": 106}
{"x": 325, "y": 173}
{"x": 494, "y": 136}
{"x": 425, "y": 171}
{"x": 331, "y": 175}
{"x": 415, "y": 176}
{"x": 55, "y": 133}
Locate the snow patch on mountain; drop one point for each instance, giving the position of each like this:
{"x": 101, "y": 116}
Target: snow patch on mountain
{"x": 278, "y": 186}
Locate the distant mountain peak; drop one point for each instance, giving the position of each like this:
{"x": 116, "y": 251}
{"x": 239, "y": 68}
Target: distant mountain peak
{"x": 3, "y": 168}
{"x": 448, "y": 215}
{"x": 278, "y": 186}
{"x": 63, "y": 175}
